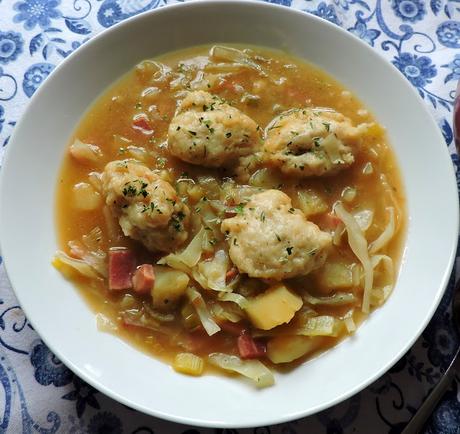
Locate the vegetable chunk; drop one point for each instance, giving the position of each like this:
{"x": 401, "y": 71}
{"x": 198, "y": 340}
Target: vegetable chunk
{"x": 169, "y": 286}
{"x": 276, "y": 306}
{"x": 188, "y": 363}
{"x": 285, "y": 349}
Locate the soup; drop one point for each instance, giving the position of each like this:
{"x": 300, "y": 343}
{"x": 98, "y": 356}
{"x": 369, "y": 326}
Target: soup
{"x": 230, "y": 208}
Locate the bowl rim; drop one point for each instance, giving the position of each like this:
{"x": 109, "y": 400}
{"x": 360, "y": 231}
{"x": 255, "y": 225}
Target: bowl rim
{"x": 199, "y": 422}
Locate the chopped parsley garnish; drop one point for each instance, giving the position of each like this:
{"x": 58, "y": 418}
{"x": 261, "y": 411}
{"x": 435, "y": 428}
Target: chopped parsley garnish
{"x": 277, "y": 237}
{"x": 176, "y": 221}
{"x": 235, "y": 242}
{"x": 161, "y": 162}
{"x": 316, "y": 141}
{"x": 228, "y": 135}
{"x": 193, "y": 133}
{"x": 327, "y": 125}
{"x": 152, "y": 207}
{"x": 131, "y": 191}
{"x": 178, "y": 128}
{"x": 289, "y": 250}
{"x": 291, "y": 210}
{"x": 262, "y": 216}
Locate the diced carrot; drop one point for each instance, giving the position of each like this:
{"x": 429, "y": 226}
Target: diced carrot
{"x": 250, "y": 348}
{"x": 141, "y": 123}
{"x": 122, "y": 264}
{"x": 143, "y": 279}
{"x": 231, "y": 274}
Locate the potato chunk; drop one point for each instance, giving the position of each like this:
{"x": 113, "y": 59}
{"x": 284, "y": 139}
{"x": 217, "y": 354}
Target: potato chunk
{"x": 170, "y": 285}
{"x": 285, "y": 349}
{"x": 277, "y": 305}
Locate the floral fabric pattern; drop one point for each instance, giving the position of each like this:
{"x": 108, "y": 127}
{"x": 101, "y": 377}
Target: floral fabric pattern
{"x": 38, "y": 393}
{"x": 36, "y": 12}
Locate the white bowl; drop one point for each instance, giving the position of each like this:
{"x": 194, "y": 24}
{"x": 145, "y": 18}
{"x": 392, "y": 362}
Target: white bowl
{"x": 65, "y": 322}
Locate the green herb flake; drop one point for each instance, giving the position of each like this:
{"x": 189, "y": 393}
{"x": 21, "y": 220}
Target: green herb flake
{"x": 289, "y": 250}
{"x": 161, "y": 162}
{"x": 291, "y": 210}
{"x": 327, "y": 125}
{"x": 278, "y": 237}
{"x": 228, "y": 135}
{"x": 317, "y": 141}
{"x": 239, "y": 209}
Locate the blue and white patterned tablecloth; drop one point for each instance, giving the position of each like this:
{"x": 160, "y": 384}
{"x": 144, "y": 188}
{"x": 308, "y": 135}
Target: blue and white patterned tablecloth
{"x": 39, "y": 394}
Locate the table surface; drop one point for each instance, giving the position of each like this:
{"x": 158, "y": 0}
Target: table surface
{"x": 39, "y": 394}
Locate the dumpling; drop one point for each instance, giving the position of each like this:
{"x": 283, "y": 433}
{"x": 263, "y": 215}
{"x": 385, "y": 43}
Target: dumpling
{"x": 311, "y": 142}
{"x": 147, "y": 207}
{"x": 270, "y": 239}
{"x": 208, "y": 132}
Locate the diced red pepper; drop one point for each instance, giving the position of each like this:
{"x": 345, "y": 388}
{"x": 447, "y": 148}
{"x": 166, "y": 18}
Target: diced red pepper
{"x": 231, "y": 274}
{"x": 141, "y": 122}
{"x": 122, "y": 264}
{"x": 250, "y": 348}
{"x": 232, "y": 328}
{"x": 143, "y": 279}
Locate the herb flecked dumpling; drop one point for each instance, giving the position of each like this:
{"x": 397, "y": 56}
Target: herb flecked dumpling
{"x": 208, "y": 132}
